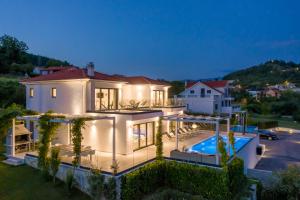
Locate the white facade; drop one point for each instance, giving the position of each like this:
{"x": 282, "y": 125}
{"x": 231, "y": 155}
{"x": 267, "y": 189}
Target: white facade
{"x": 202, "y": 98}
{"x": 77, "y": 97}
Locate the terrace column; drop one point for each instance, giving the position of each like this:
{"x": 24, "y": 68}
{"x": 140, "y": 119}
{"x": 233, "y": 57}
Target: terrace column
{"x": 228, "y": 130}
{"x": 69, "y": 133}
{"x": 176, "y": 133}
{"x": 114, "y": 142}
{"x": 217, "y": 141}
{"x": 13, "y": 133}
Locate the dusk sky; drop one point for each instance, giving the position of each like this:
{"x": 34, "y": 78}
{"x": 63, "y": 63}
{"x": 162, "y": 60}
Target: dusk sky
{"x": 162, "y": 39}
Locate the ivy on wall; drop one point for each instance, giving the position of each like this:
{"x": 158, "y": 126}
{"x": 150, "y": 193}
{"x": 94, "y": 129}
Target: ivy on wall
{"x": 77, "y": 125}
{"x": 47, "y": 130}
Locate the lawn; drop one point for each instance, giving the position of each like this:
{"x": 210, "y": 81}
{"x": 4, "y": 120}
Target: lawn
{"x": 282, "y": 121}
{"x": 24, "y": 183}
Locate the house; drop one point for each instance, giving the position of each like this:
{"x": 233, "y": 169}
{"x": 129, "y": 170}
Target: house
{"x": 272, "y": 92}
{"x": 123, "y": 115}
{"x": 208, "y": 97}
{"x": 49, "y": 70}
{"x": 255, "y": 93}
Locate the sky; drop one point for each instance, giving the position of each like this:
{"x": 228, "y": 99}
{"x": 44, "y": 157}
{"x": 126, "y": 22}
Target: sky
{"x": 167, "y": 39}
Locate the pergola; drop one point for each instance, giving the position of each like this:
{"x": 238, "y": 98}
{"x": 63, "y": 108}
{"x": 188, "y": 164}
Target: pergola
{"x": 67, "y": 120}
{"x": 243, "y": 119}
{"x": 199, "y": 119}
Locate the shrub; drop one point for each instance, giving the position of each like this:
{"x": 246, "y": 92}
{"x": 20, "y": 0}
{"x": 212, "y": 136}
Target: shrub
{"x": 210, "y": 183}
{"x": 96, "y": 183}
{"x": 70, "y": 181}
{"x": 110, "y": 187}
{"x": 54, "y": 162}
{"x": 143, "y": 181}
{"x": 267, "y": 124}
{"x": 158, "y": 141}
{"x": 172, "y": 194}
{"x": 237, "y": 179}
{"x": 296, "y": 116}
{"x": 207, "y": 182}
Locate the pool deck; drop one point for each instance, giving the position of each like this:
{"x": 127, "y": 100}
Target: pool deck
{"x": 103, "y": 160}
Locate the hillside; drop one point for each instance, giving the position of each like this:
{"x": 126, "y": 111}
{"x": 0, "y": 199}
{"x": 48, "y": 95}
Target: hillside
{"x": 271, "y": 72}
{"x": 15, "y": 60}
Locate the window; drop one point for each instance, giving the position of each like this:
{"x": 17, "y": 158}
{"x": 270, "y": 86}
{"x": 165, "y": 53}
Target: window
{"x": 159, "y": 96}
{"x": 31, "y": 92}
{"x": 216, "y": 106}
{"x": 208, "y": 91}
{"x": 192, "y": 91}
{"x": 202, "y": 92}
{"x": 106, "y": 99}
{"x": 53, "y": 92}
{"x": 143, "y": 135}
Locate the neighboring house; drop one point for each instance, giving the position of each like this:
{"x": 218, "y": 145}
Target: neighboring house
{"x": 208, "y": 97}
{"x": 50, "y": 70}
{"x": 255, "y": 93}
{"x": 78, "y": 91}
{"x": 271, "y": 92}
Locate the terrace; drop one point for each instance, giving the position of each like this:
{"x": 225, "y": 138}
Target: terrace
{"x": 184, "y": 132}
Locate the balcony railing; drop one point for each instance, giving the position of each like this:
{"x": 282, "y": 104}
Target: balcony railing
{"x": 146, "y": 104}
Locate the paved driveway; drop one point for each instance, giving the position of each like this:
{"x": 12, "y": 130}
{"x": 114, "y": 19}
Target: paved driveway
{"x": 280, "y": 153}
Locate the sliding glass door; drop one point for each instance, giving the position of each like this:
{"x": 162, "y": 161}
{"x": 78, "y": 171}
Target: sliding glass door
{"x": 106, "y": 98}
{"x": 159, "y": 97}
{"x": 143, "y": 135}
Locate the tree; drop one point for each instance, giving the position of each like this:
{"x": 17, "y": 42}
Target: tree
{"x": 222, "y": 151}
{"x": 232, "y": 141}
{"x": 11, "y": 51}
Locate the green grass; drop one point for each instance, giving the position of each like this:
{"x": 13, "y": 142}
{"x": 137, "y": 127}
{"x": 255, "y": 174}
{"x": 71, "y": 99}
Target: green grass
{"x": 24, "y": 183}
{"x": 282, "y": 121}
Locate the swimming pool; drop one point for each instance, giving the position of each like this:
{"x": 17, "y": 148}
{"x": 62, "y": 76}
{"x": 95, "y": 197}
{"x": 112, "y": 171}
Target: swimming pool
{"x": 249, "y": 129}
{"x": 208, "y": 146}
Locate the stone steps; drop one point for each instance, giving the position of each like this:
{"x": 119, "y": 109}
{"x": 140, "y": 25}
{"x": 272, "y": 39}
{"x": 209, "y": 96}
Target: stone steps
{"x": 13, "y": 161}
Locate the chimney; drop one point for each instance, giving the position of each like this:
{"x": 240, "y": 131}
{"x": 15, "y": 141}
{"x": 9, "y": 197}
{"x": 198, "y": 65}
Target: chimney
{"x": 185, "y": 84}
{"x": 90, "y": 69}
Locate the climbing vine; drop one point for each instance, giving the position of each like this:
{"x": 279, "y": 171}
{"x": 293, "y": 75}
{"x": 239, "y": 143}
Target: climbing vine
{"x": 159, "y": 142}
{"x": 232, "y": 141}
{"x": 47, "y": 130}
{"x": 222, "y": 151}
{"x": 77, "y": 125}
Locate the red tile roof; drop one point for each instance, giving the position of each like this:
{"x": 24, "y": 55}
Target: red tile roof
{"x": 79, "y": 73}
{"x": 69, "y": 73}
{"x": 56, "y": 68}
{"x": 212, "y": 84}
{"x": 216, "y": 84}
{"x": 140, "y": 80}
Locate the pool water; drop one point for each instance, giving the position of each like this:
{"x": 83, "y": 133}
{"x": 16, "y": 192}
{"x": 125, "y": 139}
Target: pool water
{"x": 249, "y": 129}
{"x": 208, "y": 146}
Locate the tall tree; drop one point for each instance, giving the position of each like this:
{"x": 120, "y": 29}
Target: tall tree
{"x": 11, "y": 51}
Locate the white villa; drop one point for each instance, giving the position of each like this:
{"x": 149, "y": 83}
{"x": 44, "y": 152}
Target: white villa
{"x": 124, "y": 115}
{"x": 211, "y": 97}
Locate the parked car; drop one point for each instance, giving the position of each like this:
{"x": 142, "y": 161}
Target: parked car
{"x": 267, "y": 134}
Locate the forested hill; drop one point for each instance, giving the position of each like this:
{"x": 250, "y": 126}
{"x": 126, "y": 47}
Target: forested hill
{"x": 15, "y": 59}
{"x": 271, "y": 72}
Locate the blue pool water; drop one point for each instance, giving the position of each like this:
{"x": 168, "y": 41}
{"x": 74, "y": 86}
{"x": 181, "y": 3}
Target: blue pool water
{"x": 208, "y": 146}
{"x": 239, "y": 128}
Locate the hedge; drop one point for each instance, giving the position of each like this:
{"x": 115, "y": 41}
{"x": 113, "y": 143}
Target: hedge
{"x": 267, "y": 124}
{"x": 210, "y": 183}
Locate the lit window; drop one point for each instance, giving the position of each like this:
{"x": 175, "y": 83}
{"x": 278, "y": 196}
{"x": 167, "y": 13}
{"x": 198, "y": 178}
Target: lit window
{"x": 53, "y": 92}
{"x": 31, "y": 92}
